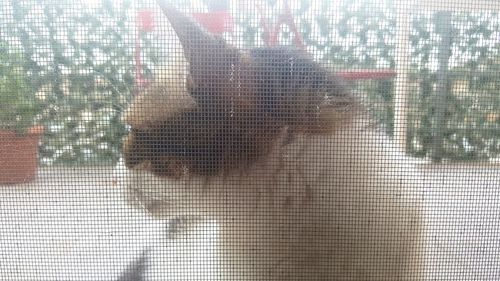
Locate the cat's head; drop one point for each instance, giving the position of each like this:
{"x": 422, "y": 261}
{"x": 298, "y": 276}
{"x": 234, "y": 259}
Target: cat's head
{"x": 238, "y": 104}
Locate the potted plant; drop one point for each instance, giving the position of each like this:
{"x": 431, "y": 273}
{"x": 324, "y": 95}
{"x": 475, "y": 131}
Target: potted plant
{"x": 19, "y": 137}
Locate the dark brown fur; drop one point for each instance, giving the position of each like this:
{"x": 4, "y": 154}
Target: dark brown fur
{"x": 244, "y": 101}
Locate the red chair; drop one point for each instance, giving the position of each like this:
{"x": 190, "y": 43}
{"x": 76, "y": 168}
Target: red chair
{"x": 219, "y": 20}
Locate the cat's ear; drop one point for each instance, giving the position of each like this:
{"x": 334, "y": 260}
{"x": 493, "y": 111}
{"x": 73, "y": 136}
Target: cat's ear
{"x": 211, "y": 60}
{"x": 192, "y": 36}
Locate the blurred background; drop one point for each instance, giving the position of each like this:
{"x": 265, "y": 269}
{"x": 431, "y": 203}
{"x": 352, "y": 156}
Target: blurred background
{"x": 77, "y": 64}
{"x": 429, "y": 72}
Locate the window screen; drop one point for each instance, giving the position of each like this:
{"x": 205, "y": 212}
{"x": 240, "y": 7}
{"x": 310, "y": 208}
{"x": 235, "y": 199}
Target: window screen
{"x": 250, "y": 140}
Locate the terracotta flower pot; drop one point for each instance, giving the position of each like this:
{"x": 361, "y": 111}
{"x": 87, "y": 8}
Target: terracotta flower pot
{"x": 18, "y": 155}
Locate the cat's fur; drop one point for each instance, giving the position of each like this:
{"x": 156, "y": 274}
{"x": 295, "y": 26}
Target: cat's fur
{"x": 286, "y": 161}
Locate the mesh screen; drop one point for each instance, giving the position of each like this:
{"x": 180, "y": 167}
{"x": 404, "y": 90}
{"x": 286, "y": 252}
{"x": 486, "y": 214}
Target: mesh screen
{"x": 250, "y": 140}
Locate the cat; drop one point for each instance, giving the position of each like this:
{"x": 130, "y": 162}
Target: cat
{"x": 274, "y": 148}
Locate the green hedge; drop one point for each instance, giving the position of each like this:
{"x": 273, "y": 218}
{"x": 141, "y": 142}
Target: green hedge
{"x": 79, "y": 61}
